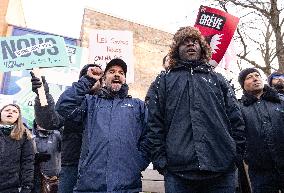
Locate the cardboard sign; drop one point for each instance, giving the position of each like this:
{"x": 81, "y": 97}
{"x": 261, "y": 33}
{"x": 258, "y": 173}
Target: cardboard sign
{"x": 29, "y": 51}
{"x": 105, "y": 45}
{"x": 218, "y": 27}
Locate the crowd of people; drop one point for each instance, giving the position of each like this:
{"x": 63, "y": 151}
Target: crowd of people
{"x": 98, "y": 139}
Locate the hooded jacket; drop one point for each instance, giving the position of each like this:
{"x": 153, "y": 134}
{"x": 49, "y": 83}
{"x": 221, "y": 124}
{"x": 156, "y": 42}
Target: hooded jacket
{"x": 264, "y": 119}
{"x": 110, "y": 160}
{"x": 195, "y": 122}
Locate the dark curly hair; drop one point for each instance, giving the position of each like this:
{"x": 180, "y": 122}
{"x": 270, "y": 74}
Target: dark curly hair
{"x": 180, "y": 36}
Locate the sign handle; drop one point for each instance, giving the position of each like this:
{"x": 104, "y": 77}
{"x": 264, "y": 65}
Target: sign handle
{"x": 41, "y": 92}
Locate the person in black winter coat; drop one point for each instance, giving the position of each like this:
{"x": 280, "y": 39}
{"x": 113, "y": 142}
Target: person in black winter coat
{"x": 48, "y": 155}
{"x": 195, "y": 131}
{"x": 71, "y": 135}
{"x": 16, "y": 152}
{"x": 263, "y": 112}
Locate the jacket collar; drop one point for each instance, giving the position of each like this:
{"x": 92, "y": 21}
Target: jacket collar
{"x": 122, "y": 93}
{"x": 6, "y": 129}
{"x": 269, "y": 94}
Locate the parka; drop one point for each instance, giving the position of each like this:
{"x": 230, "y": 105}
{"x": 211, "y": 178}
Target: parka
{"x": 110, "y": 160}
{"x": 194, "y": 121}
{"x": 264, "y": 119}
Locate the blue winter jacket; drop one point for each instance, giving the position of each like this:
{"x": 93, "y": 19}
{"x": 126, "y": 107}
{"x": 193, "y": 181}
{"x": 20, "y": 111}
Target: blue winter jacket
{"x": 110, "y": 160}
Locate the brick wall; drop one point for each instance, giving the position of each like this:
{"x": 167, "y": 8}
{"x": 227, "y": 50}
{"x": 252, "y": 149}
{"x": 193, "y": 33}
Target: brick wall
{"x": 3, "y": 10}
{"x": 150, "y": 46}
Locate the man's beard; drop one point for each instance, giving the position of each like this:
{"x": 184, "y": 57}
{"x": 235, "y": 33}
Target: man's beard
{"x": 279, "y": 86}
{"x": 116, "y": 88}
{"x": 193, "y": 58}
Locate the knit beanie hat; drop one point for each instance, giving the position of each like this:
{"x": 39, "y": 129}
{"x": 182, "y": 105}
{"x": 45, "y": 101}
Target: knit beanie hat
{"x": 243, "y": 74}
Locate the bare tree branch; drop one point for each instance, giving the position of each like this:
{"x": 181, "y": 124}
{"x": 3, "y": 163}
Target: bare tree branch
{"x": 259, "y": 32}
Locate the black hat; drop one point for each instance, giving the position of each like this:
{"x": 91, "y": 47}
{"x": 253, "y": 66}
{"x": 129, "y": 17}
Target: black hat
{"x": 243, "y": 74}
{"x": 271, "y": 76}
{"x": 119, "y": 62}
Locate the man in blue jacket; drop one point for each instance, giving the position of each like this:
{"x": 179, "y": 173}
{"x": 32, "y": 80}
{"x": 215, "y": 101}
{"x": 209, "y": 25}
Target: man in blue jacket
{"x": 113, "y": 122}
{"x": 195, "y": 128}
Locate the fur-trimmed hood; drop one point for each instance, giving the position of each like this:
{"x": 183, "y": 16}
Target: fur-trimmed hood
{"x": 269, "y": 94}
{"x": 180, "y": 36}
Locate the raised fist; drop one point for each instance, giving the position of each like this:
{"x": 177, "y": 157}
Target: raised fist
{"x": 95, "y": 72}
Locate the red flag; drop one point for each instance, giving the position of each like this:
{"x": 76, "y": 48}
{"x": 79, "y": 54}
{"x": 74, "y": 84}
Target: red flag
{"x": 229, "y": 58}
{"x": 218, "y": 27}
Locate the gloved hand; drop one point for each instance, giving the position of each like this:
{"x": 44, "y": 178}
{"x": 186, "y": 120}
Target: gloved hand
{"x": 36, "y": 83}
{"x": 42, "y": 157}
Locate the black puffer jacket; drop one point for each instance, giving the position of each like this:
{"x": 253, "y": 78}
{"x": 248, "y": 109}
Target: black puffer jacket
{"x": 16, "y": 164}
{"x": 264, "y": 120}
{"x": 71, "y": 136}
{"x": 194, "y": 121}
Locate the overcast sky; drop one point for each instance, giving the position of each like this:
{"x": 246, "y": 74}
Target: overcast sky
{"x": 51, "y": 15}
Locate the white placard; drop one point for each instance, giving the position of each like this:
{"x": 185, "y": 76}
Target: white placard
{"x": 105, "y": 45}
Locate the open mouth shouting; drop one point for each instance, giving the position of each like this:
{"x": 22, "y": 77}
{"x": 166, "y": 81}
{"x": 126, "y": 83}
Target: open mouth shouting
{"x": 116, "y": 84}
{"x": 116, "y": 81}
{"x": 114, "y": 78}
{"x": 191, "y": 51}
{"x": 9, "y": 117}
{"x": 192, "y": 54}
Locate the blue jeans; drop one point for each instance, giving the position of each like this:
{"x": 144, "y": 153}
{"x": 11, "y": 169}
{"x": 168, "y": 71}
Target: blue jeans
{"x": 266, "y": 181}
{"x": 222, "y": 184}
{"x": 67, "y": 179}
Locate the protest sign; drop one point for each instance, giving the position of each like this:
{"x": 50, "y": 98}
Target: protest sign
{"x": 218, "y": 27}
{"x": 74, "y": 54}
{"x": 105, "y": 45}
{"x": 29, "y": 51}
